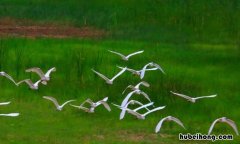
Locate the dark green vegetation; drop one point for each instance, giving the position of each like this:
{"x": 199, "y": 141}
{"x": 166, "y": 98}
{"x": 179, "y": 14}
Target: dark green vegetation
{"x": 194, "y": 69}
{"x": 174, "y": 21}
{"x": 196, "y": 43}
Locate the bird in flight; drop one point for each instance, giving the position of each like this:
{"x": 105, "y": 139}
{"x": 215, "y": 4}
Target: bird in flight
{"x": 168, "y": 118}
{"x": 137, "y": 72}
{"x": 193, "y": 100}
{"x": 93, "y": 105}
{"x": 126, "y": 57}
{"x": 224, "y": 120}
{"x": 137, "y": 114}
{"x": 136, "y": 87}
{"x": 109, "y": 81}
{"x": 151, "y": 64}
{"x": 31, "y": 85}
{"x": 55, "y": 102}
{"x": 44, "y": 76}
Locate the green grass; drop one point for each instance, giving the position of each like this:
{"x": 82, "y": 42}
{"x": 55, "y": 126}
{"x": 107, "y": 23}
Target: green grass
{"x": 215, "y": 21}
{"x": 194, "y": 69}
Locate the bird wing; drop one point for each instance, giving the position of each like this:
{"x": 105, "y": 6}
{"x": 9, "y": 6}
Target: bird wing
{"x": 233, "y": 125}
{"x": 124, "y": 102}
{"x": 177, "y": 121}
{"x": 8, "y": 76}
{"x": 142, "y": 83}
{"x": 143, "y": 106}
{"x": 52, "y": 99}
{"x": 146, "y": 96}
{"x": 105, "y": 105}
{"x": 153, "y": 110}
{"x": 211, "y": 96}
{"x": 80, "y": 107}
{"x": 49, "y": 72}
{"x": 5, "y": 103}
{"x": 182, "y": 95}
{"x": 130, "y": 86}
{"x": 36, "y": 70}
{"x": 159, "y": 67}
{"x": 121, "y": 55}
{"x": 118, "y": 74}
{"x": 137, "y": 102}
{"x": 101, "y": 75}
{"x": 10, "y": 114}
{"x": 69, "y": 101}
{"x": 159, "y": 125}
{"x": 132, "y": 54}
{"x": 37, "y": 82}
{"x": 27, "y": 81}
{"x": 212, "y": 126}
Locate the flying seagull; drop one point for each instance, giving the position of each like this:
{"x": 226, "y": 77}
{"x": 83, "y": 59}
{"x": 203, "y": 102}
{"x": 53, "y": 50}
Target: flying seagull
{"x": 138, "y": 92}
{"x": 10, "y": 114}
{"x": 44, "y": 77}
{"x": 31, "y": 85}
{"x": 55, "y": 102}
{"x": 4, "y": 103}
{"x": 131, "y": 102}
{"x": 193, "y": 100}
{"x": 93, "y": 105}
{"x": 137, "y": 114}
{"x": 109, "y": 81}
{"x": 137, "y": 72}
{"x": 151, "y": 64}
{"x": 2, "y": 73}
{"x": 224, "y": 120}
{"x": 136, "y": 87}
{"x": 168, "y": 118}
{"x": 126, "y": 57}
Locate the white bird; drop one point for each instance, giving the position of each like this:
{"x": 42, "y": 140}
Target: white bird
{"x": 137, "y": 72}
{"x": 136, "y": 87}
{"x": 151, "y": 64}
{"x": 224, "y": 120}
{"x": 126, "y": 57}
{"x": 44, "y": 77}
{"x": 31, "y": 85}
{"x": 109, "y": 81}
{"x": 193, "y": 100}
{"x": 4, "y": 103}
{"x": 168, "y": 118}
{"x": 93, "y": 105}
{"x": 131, "y": 102}
{"x": 10, "y": 114}
{"x": 138, "y": 92}
{"x": 55, "y": 102}
{"x": 2, "y": 73}
{"x": 138, "y": 115}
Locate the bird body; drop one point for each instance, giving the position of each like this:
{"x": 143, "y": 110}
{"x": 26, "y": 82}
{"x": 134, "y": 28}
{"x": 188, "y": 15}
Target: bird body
{"x": 224, "y": 120}
{"x": 136, "y": 87}
{"x": 151, "y": 64}
{"x": 168, "y": 118}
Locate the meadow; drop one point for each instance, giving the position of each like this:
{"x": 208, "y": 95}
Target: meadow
{"x": 195, "y": 42}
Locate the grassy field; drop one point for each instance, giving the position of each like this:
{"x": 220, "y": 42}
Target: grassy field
{"x": 195, "y": 42}
{"x": 194, "y": 69}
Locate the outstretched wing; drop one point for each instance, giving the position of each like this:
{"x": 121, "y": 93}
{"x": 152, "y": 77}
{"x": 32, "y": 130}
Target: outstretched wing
{"x": 212, "y": 126}
{"x": 8, "y": 76}
{"x": 130, "y": 86}
{"x": 146, "y": 96}
{"x": 117, "y": 53}
{"x": 143, "y": 106}
{"x": 36, "y": 70}
{"x": 52, "y": 99}
{"x": 211, "y": 96}
{"x": 142, "y": 83}
{"x": 5, "y": 103}
{"x": 143, "y": 70}
{"x": 50, "y": 71}
{"x": 153, "y": 110}
{"x": 159, "y": 125}
{"x": 159, "y": 67}
{"x": 101, "y": 75}
{"x": 132, "y": 54}
{"x": 124, "y": 102}
{"x": 67, "y": 102}
{"x": 177, "y": 121}
{"x": 181, "y": 95}
{"x": 105, "y": 105}
{"x": 233, "y": 125}
{"x": 118, "y": 74}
